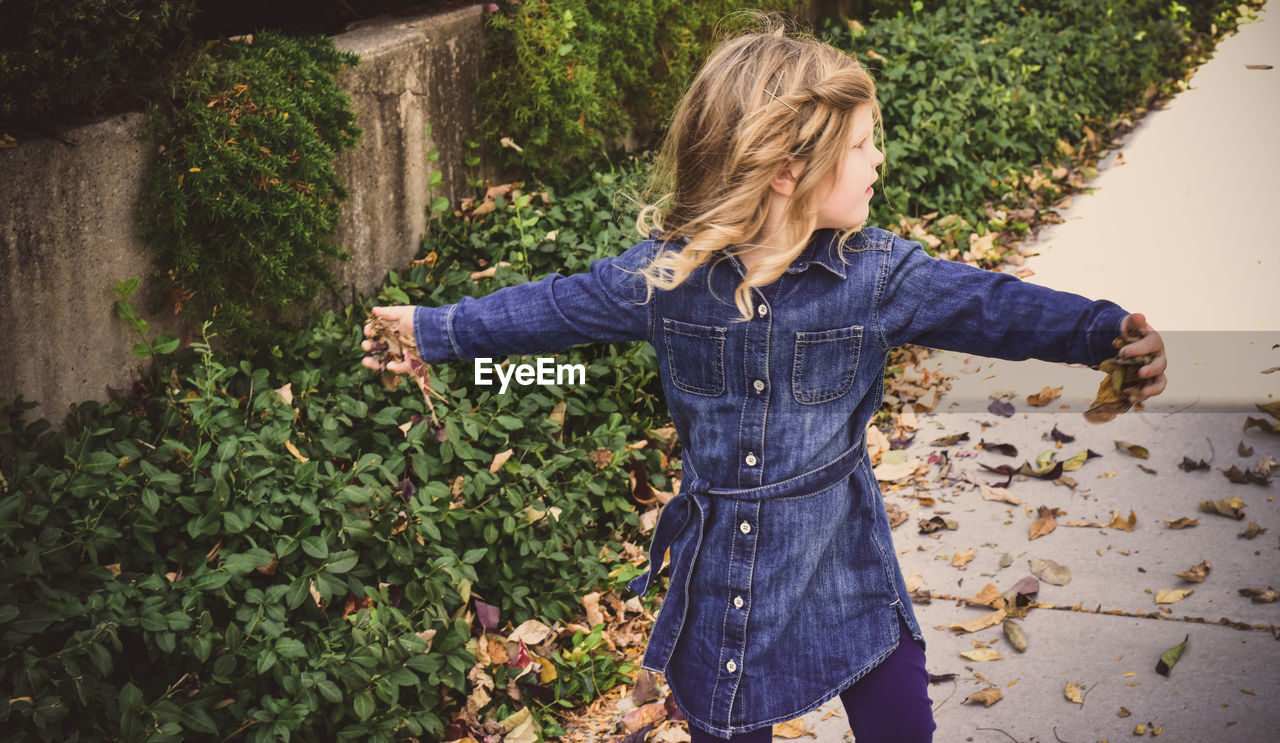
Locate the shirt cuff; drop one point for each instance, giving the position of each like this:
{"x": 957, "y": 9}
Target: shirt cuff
{"x": 1106, "y": 328}
{"x": 433, "y": 333}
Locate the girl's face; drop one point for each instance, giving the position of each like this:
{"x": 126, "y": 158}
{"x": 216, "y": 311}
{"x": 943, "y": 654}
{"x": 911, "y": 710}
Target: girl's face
{"x": 845, "y": 197}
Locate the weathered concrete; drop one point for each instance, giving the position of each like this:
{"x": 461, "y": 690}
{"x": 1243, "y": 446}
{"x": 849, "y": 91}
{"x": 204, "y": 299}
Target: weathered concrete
{"x": 67, "y": 213}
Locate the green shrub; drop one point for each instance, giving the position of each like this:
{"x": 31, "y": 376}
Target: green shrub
{"x": 206, "y": 556}
{"x": 973, "y": 91}
{"x": 563, "y": 77}
{"x": 65, "y": 59}
{"x": 242, "y": 200}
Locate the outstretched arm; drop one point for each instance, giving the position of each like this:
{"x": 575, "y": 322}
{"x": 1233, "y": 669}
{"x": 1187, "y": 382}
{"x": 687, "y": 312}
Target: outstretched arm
{"x": 601, "y": 305}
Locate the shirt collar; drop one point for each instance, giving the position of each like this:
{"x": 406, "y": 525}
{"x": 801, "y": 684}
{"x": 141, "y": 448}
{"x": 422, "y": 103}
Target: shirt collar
{"x": 822, "y": 250}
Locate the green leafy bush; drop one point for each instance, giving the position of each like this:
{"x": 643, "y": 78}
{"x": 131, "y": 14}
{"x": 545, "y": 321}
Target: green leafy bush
{"x": 212, "y": 555}
{"x": 242, "y": 201}
{"x": 68, "y": 58}
{"x": 973, "y": 91}
{"x": 565, "y": 76}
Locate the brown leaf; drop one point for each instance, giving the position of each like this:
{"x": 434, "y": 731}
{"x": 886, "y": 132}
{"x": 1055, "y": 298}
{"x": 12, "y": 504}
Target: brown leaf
{"x": 1121, "y": 523}
{"x": 980, "y": 623}
{"x": 1196, "y": 573}
{"x": 500, "y": 459}
{"x": 963, "y": 557}
{"x": 1172, "y": 595}
{"x": 294, "y": 451}
{"x": 1074, "y": 693}
{"x": 1181, "y": 523}
{"x": 1045, "y": 523}
{"x": 896, "y": 515}
{"x": 1244, "y": 451}
{"x": 641, "y": 716}
{"x": 1050, "y": 571}
{"x": 1260, "y": 595}
{"x": 982, "y": 655}
{"x": 951, "y": 440}
{"x": 793, "y": 729}
{"x": 646, "y": 689}
{"x": 1229, "y": 507}
{"x": 987, "y": 696}
{"x": 1003, "y": 495}
{"x": 989, "y": 596}
{"x": 1014, "y": 634}
{"x": 1254, "y": 530}
{"x": 602, "y": 457}
{"x": 1009, "y": 450}
{"x": 1044, "y": 396}
{"x": 592, "y": 604}
{"x": 1134, "y": 450}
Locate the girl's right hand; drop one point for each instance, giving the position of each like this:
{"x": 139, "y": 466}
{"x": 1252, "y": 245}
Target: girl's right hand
{"x": 402, "y": 315}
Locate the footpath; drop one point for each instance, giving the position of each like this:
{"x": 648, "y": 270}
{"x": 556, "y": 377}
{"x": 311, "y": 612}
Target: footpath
{"x": 1178, "y": 228}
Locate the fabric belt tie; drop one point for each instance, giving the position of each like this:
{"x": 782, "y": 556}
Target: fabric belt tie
{"x": 686, "y": 509}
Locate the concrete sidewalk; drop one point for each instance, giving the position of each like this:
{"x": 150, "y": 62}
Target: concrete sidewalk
{"x": 1179, "y": 230}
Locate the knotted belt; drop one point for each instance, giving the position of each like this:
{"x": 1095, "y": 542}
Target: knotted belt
{"x": 687, "y": 510}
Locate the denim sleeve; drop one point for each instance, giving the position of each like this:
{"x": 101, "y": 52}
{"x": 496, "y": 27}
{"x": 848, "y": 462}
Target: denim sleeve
{"x": 957, "y": 307}
{"x": 606, "y": 303}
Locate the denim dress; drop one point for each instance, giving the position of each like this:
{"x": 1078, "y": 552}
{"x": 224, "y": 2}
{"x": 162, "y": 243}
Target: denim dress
{"x": 784, "y": 581}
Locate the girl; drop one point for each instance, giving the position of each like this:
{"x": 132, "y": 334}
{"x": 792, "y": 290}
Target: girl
{"x": 785, "y": 590}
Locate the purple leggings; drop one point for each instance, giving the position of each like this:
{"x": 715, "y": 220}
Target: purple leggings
{"x": 890, "y": 704}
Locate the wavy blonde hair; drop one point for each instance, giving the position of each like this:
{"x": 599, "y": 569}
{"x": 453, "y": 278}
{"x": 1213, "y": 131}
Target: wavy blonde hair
{"x": 765, "y": 97}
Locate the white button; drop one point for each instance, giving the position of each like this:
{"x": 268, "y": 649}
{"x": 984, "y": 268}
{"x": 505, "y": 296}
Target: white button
{"x": 759, "y": 385}
{"x": 737, "y": 601}
{"x": 731, "y": 666}
{"x": 751, "y": 459}
{"x": 763, "y": 310}
{"x": 745, "y": 527}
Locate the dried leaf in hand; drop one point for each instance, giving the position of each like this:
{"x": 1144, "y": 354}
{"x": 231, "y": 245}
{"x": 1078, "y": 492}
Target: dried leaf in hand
{"x": 1254, "y": 530}
{"x": 1260, "y": 595}
{"x": 1014, "y": 634}
{"x": 1045, "y": 523}
{"x": 987, "y": 696}
{"x": 1050, "y": 571}
{"x": 1134, "y": 449}
{"x": 982, "y": 655}
{"x": 1181, "y": 523}
{"x": 1121, "y": 380}
{"x": 1170, "y": 657}
{"x": 1172, "y": 595}
{"x": 1196, "y": 573}
{"x": 1229, "y": 507}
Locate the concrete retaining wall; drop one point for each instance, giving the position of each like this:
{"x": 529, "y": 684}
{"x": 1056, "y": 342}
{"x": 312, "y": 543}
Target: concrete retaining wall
{"x": 67, "y": 213}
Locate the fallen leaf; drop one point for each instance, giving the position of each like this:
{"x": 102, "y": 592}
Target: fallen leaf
{"x": 1172, "y": 595}
{"x": 1045, "y": 523}
{"x": 987, "y": 696}
{"x": 1190, "y": 465}
{"x": 1073, "y": 693}
{"x": 1000, "y": 407}
{"x": 520, "y": 727}
{"x": 1140, "y": 729}
{"x": 1014, "y": 634}
{"x": 1244, "y": 451}
{"x": 1134, "y": 450}
{"x": 1260, "y": 595}
{"x": 896, "y": 515}
{"x": 591, "y": 602}
{"x": 980, "y": 623}
{"x": 930, "y": 525}
{"x": 1060, "y": 437}
{"x": 951, "y": 440}
{"x": 793, "y": 729}
{"x": 963, "y": 557}
{"x": 1229, "y": 507}
{"x": 982, "y": 655}
{"x": 1181, "y": 523}
{"x": 294, "y": 451}
{"x": 1009, "y": 450}
{"x": 286, "y": 393}
{"x": 646, "y": 689}
{"x": 1196, "y": 573}
{"x": 1254, "y": 530}
{"x": 1050, "y": 571}
{"x": 889, "y": 471}
{"x": 1044, "y": 396}
{"x": 1124, "y": 712}
{"x": 500, "y": 459}
{"x": 1170, "y": 657}
{"x": 1123, "y": 524}
{"x": 532, "y": 632}
{"x": 989, "y": 596}
{"x": 642, "y": 716}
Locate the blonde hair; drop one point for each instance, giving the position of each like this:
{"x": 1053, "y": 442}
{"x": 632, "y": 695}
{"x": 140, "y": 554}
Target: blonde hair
{"x": 763, "y": 98}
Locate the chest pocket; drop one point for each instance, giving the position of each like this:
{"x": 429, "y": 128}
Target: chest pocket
{"x": 695, "y": 356}
{"x": 825, "y": 363}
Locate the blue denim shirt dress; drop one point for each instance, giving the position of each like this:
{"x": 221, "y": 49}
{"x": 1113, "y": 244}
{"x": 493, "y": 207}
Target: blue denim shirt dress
{"x": 784, "y": 580}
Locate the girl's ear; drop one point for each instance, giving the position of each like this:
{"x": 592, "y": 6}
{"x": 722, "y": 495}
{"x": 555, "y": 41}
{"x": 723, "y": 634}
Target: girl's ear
{"x": 784, "y": 180}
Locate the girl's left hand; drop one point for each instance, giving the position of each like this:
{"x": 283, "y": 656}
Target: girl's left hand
{"x": 1151, "y": 343}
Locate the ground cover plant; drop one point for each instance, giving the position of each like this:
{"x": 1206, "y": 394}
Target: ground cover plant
{"x": 276, "y": 545}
